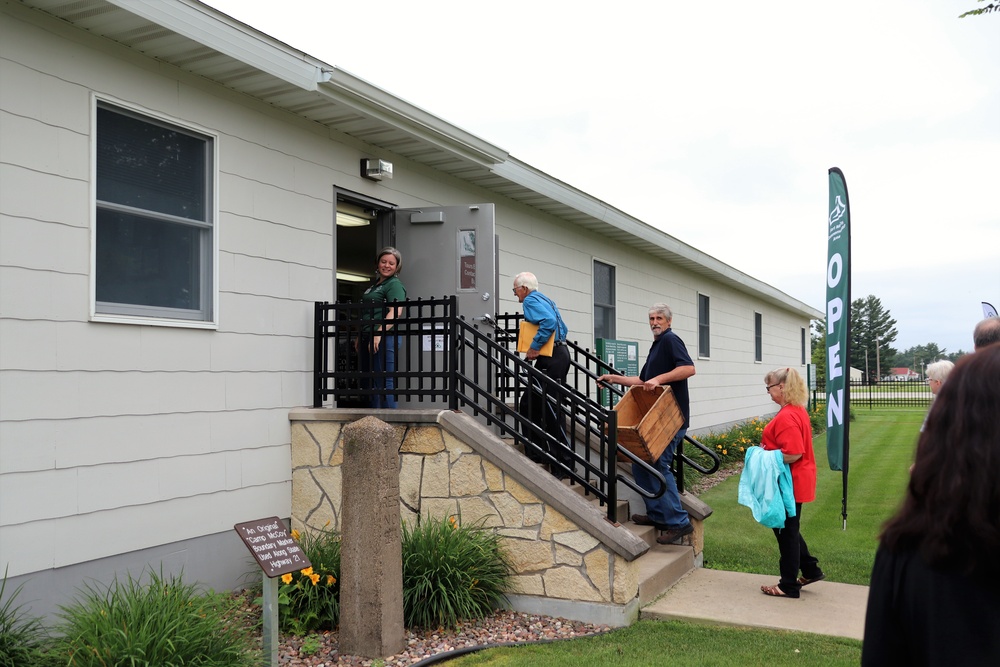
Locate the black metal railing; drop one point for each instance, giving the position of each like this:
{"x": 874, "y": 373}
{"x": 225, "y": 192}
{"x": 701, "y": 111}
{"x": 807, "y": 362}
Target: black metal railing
{"x": 443, "y": 359}
{"x": 585, "y": 368}
{"x": 885, "y": 394}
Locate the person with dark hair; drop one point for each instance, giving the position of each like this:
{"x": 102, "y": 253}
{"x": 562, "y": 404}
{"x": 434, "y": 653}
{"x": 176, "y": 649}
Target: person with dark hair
{"x": 791, "y": 431}
{"x": 377, "y": 346}
{"x": 935, "y": 595}
{"x": 669, "y": 363}
{"x": 986, "y": 333}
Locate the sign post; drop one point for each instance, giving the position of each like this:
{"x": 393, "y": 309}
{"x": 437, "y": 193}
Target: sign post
{"x": 277, "y": 553}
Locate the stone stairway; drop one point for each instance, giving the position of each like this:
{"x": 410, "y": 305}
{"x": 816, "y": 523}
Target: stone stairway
{"x": 663, "y": 565}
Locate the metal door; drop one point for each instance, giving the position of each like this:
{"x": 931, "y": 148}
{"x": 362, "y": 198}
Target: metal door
{"x": 448, "y": 250}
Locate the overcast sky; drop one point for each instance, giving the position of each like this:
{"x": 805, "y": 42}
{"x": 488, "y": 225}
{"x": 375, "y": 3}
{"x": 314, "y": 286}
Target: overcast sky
{"x": 717, "y": 122}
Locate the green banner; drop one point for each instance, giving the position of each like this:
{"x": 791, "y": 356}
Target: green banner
{"x": 838, "y": 320}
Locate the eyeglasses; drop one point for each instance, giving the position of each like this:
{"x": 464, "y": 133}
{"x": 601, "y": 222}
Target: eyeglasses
{"x": 768, "y": 388}
{"x": 515, "y": 290}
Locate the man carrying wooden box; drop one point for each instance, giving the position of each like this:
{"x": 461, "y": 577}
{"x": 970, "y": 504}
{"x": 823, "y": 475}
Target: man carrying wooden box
{"x": 668, "y": 362}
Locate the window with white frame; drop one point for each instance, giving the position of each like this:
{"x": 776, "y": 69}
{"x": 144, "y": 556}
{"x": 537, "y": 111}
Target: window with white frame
{"x": 704, "y": 328}
{"x": 604, "y": 300}
{"x": 758, "y": 337}
{"x": 154, "y": 241}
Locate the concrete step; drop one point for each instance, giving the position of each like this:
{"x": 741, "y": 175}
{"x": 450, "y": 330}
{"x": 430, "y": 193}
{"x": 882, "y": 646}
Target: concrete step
{"x": 662, "y": 566}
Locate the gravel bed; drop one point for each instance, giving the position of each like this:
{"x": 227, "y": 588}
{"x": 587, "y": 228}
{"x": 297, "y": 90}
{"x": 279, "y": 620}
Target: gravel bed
{"x": 322, "y": 650}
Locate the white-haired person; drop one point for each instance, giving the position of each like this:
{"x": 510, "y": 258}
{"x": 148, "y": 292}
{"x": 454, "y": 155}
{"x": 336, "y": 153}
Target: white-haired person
{"x": 936, "y": 373}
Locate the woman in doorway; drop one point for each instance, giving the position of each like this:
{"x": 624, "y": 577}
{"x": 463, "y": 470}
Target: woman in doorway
{"x": 791, "y": 432}
{"x": 377, "y": 348}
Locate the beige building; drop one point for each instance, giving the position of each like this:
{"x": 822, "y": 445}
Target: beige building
{"x": 156, "y": 303}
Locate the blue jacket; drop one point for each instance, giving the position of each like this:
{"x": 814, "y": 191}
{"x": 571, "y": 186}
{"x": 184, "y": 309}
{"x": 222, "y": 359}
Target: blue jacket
{"x": 766, "y": 487}
{"x": 541, "y": 310}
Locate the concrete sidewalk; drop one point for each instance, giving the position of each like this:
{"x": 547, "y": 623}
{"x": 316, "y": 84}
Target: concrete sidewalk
{"x": 734, "y": 598}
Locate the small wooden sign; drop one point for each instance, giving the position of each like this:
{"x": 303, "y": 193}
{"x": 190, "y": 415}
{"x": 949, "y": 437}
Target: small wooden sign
{"x": 275, "y": 550}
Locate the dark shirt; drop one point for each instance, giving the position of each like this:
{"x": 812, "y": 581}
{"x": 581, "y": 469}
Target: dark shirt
{"x": 665, "y": 354}
{"x": 380, "y": 294}
{"x": 919, "y": 615}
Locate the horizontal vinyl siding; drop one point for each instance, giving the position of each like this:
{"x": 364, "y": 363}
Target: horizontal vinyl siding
{"x": 52, "y": 543}
{"x": 146, "y": 435}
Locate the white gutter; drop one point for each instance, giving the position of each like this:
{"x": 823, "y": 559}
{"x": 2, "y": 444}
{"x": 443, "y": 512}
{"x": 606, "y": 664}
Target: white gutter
{"x": 209, "y": 28}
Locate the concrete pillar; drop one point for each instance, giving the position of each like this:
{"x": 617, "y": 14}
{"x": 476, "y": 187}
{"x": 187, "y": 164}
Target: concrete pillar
{"x": 371, "y": 562}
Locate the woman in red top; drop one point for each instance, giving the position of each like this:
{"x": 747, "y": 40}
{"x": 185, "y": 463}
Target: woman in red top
{"x": 791, "y": 432}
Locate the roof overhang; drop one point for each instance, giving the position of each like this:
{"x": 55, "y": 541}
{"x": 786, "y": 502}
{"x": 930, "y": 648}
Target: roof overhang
{"x": 203, "y": 41}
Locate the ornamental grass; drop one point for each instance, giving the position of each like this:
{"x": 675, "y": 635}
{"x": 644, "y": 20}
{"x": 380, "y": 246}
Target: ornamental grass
{"x": 22, "y": 636}
{"x": 451, "y": 572}
{"x": 162, "y": 622}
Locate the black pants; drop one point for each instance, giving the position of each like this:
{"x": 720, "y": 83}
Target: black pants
{"x": 541, "y": 407}
{"x": 795, "y": 555}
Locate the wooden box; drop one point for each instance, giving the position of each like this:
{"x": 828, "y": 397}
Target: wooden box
{"x": 647, "y": 421}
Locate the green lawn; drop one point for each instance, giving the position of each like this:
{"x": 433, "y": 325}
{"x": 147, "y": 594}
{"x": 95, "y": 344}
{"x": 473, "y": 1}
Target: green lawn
{"x": 882, "y": 443}
{"x": 679, "y": 645}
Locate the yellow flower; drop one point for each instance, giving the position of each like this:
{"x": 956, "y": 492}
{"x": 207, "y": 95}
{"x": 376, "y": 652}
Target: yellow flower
{"x": 296, "y": 535}
{"x": 742, "y": 450}
{"x": 307, "y": 572}
{"x": 314, "y": 578}
{"x": 453, "y": 523}
{"x": 287, "y": 578}
{"x": 718, "y": 446}
{"x": 724, "y": 452}
{"x": 330, "y": 580}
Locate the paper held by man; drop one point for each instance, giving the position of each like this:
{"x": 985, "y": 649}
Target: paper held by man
{"x": 527, "y": 333}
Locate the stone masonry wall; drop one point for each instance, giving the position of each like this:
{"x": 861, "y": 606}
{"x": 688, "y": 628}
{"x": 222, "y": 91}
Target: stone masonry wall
{"x": 441, "y": 476}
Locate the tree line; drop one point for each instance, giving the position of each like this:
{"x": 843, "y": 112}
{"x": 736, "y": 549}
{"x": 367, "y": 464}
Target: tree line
{"x": 873, "y": 331}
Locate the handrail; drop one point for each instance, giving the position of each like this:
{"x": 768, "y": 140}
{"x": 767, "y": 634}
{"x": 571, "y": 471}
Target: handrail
{"x": 475, "y": 368}
{"x": 582, "y": 360}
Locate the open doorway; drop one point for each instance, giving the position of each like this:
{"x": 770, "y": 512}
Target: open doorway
{"x": 362, "y": 228}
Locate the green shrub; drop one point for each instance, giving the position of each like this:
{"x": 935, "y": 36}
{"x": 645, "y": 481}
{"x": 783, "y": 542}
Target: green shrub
{"x": 22, "y": 637}
{"x": 309, "y": 599}
{"x": 451, "y": 572}
{"x": 163, "y": 623}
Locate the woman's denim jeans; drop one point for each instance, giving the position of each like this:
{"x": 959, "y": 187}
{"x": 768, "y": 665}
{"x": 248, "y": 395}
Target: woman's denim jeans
{"x": 382, "y": 360}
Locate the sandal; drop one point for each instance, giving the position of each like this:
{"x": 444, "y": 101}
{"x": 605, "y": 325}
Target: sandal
{"x": 774, "y": 591}
{"x": 805, "y": 581}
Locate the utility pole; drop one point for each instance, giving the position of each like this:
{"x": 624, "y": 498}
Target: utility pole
{"x": 878, "y": 365}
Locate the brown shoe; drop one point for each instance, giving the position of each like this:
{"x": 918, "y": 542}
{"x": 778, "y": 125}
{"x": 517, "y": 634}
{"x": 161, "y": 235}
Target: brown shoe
{"x": 675, "y": 536}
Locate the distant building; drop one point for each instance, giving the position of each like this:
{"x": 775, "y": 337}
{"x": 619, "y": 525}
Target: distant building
{"x": 902, "y": 374}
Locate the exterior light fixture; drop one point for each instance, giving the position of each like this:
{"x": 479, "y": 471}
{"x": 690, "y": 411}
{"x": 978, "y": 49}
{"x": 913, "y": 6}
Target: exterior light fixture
{"x": 376, "y": 170}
